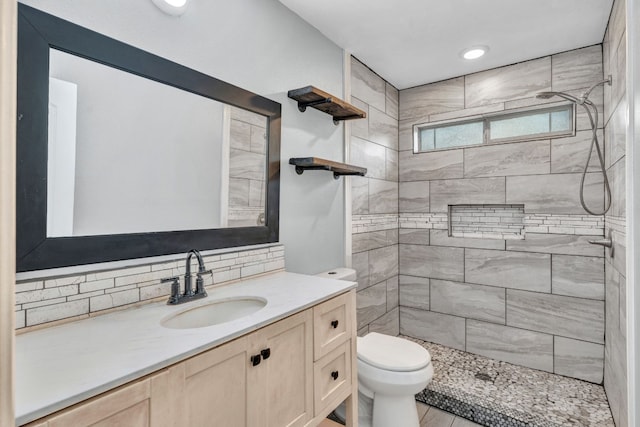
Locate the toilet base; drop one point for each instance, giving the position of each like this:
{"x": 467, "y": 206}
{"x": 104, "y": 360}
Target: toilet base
{"x": 397, "y": 411}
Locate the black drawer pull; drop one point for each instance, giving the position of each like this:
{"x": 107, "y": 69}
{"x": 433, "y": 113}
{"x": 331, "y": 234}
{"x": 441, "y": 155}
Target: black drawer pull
{"x": 255, "y": 360}
{"x": 266, "y": 353}
{"x": 334, "y": 324}
{"x": 334, "y": 375}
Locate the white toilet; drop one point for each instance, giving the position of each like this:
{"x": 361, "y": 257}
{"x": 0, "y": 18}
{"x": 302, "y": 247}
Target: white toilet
{"x": 391, "y": 371}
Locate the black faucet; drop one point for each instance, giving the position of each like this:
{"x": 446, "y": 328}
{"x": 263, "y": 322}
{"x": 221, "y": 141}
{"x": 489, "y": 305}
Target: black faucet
{"x": 189, "y": 293}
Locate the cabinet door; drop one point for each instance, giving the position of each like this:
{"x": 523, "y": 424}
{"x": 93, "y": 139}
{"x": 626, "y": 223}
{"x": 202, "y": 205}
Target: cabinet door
{"x": 215, "y": 387}
{"x": 281, "y": 386}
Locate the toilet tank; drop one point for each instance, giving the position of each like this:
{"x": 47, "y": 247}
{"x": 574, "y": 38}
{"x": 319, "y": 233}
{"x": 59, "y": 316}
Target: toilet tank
{"x": 341, "y": 273}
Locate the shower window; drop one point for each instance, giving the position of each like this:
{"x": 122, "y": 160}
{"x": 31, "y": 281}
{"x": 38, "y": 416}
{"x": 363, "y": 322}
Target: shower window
{"x": 538, "y": 123}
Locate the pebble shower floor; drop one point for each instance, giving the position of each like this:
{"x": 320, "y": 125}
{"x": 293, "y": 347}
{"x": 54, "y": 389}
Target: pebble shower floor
{"x": 498, "y": 394}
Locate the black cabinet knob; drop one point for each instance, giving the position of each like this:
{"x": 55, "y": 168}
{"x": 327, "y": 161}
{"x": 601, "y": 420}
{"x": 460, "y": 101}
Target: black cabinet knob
{"x": 266, "y": 353}
{"x": 334, "y": 375}
{"x": 334, "y": 324}
{"x": 255, "y": 360}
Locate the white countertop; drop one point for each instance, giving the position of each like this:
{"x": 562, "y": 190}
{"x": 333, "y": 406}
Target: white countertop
{"x": 62, "y": 365}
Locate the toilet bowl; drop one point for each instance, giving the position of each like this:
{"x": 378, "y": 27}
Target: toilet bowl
{"x": 391, "y": 371}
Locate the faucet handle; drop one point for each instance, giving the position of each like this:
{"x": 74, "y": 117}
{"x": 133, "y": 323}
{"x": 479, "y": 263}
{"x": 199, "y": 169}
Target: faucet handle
{"x": 200, "y": 282}
{"x": 175, "y": 288}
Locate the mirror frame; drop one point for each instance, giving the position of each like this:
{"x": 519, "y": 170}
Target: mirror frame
{"x": 37, "y": 33}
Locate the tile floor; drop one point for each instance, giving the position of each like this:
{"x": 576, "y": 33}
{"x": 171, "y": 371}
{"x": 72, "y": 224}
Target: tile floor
{"x": 434, "y": 417}
{"x": 495, "y": 393}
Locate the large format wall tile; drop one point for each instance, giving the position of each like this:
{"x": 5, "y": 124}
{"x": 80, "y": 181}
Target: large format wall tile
{"x": 367, "y": 85}
{"x": 442, "y": 238}
{"x": 617, "y": 182}
{"x": 521, "y": 80}
{"x": 582, "y": 117}
{"x": 383, "y": 196}
{"x": 414, "y": 196}
{"x": 434, "y": 327}
{"x": 570, "y": 317}
{"x": 467, "y": 300}
{"x": 244, "y": 164}
{"x": 577, "y": 276}
{"x": 393, "y": 293}
{"x": 515, "y": 270}
{"x": 359, "y": 196}
{"x": 420, "y": 101}
{"x": 388, "y": 324}
{"x": 570, "y": 154}
{"x": 522, "y": 158}
{"x": 368, "y": 155}
{"x": 512, "y": 345}
{"x": 414, "y": 236}
{"x": 467, "y": 112}
{"x": 391, "y": 167}
{"x": 427, "y": 166}
{"x": 373, "y": 240}
{"x": 466, "y": 191}
{"x": 564, "y": 244}
{"x": 578, "y": 359}
{"x": 405, "y": 133}
{"x": 383, "y": 129}
{"x": 392, "y": 94}
{"x": 371, "y": 303}
{"x": 555, "y": 194}
{"x": 360, "y": 127}
{"x": 437, "y": 262}
{"x": 414, "y": 292}
{"x": 383, "y": 263}
{"x": 616, "y": 134}
{"x": 360, "y": 263}
{"x": 576, "y": 69}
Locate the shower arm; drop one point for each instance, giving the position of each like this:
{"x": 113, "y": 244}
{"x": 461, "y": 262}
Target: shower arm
{"x": 586, "y": 94}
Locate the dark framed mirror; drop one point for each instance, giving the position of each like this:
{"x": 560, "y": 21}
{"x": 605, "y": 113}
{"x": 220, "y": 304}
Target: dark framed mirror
{"x": 123, "y": 154}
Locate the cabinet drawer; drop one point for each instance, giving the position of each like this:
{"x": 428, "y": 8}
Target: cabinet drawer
{"x": 332, "y": 323}
{"x": 332, "y": 377}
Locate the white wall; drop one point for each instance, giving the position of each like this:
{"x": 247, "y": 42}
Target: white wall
{"x": 263, "y": 47}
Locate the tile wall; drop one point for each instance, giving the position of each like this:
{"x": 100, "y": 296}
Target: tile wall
{"x": 615, "y": 113}
{"x": 374, "y": 145}
{"x": 523, "y": 301}
{"x": 55, "y": 298}
{"x": 247, "y": 148}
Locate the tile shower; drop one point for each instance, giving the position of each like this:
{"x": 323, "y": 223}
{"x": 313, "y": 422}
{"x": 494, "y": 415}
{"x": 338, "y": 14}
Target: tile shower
{"x": 537, "y": 300}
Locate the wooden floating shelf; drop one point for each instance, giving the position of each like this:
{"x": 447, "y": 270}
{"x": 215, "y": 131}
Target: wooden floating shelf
{"x": 310, "y": 96}
{"x": 338, "y": 169}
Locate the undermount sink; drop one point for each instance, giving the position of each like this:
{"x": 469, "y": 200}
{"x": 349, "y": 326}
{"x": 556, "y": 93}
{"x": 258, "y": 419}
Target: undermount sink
{"x": 214, "y": 313}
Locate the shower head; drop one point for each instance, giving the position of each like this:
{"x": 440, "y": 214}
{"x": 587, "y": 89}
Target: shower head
{"x": 547, "y": 95}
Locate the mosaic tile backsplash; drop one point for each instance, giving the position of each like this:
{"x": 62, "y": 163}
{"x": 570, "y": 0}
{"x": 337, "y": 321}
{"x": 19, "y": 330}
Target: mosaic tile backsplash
{"x": 50, "y": 299}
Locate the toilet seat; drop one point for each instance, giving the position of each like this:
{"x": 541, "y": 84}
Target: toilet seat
{"x": 390, "y": 353}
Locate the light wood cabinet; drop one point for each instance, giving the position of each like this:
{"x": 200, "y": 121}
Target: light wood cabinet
{"x": 281, "y": 386}
{"x": 215, "y": 387}
{"x": 268, "y": 378}
{"x": 127, "y": 406}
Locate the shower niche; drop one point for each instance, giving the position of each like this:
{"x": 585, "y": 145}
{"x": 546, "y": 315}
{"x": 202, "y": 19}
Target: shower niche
{"x": 487, "y": 221}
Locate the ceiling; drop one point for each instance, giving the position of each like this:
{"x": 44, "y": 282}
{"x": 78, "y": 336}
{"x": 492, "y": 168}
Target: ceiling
{"x": 413, "y": 42}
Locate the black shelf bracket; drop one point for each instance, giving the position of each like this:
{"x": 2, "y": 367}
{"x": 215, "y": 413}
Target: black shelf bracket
{"x": 302, "y": 106}
{"x": 314, "y": 163}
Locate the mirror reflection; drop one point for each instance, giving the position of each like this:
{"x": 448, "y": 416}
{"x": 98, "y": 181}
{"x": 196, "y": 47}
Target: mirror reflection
{"x": 127, "y": 154}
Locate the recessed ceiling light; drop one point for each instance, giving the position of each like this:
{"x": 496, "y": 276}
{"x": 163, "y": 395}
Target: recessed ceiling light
{"x": 474, "y": 52}
{"x": 172, "y": 7}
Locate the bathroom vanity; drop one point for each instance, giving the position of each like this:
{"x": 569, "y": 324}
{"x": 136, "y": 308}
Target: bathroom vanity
{"x": 290, "y": 363}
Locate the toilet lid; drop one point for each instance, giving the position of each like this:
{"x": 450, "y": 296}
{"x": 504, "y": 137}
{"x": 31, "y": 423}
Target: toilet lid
{"x": 392, "y": 353}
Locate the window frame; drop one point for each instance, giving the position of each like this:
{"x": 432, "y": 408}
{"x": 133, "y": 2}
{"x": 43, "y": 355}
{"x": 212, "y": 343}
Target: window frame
{"x": 486, "y": 120}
